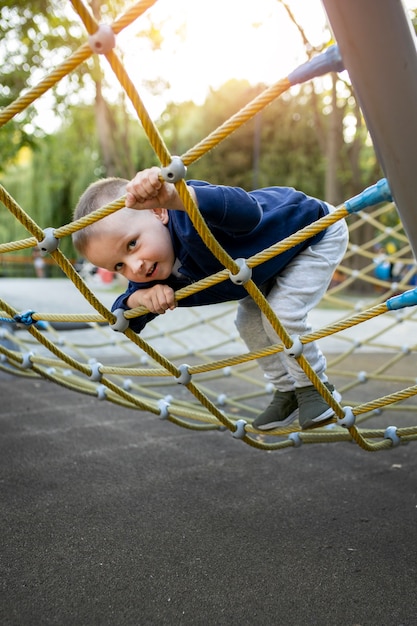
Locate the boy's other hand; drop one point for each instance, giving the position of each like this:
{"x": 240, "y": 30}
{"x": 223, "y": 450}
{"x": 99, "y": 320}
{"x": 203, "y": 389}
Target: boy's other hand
{"x": 148, "y": 191}
{"x": 156, "y": 299}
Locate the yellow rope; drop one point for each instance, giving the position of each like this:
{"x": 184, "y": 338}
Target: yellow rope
{"x": 205, "y": 414}
{"x": 236, "y": 121}
{"x": 83, "y": 53}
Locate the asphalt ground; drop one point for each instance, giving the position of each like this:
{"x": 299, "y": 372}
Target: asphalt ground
{"x": 114, "y": 517}
{"x": 111, "y": 516}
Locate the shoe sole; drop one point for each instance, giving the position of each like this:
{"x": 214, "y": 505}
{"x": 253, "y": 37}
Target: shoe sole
{"x": 321, "y": 424}
{"x": 278, "y": 423}
{"x": 325, "y": 418}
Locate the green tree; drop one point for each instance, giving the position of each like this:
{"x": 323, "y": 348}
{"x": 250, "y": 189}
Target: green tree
{"x": 33, "y": 39}
{"x": 49, "y": 181}
{"x": 279, "y": 146}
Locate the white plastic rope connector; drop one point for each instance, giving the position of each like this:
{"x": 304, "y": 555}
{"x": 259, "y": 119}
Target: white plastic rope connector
{"x": 175, "y": 171}
{"x": 103, "y": 40}
{"x": 185, "y": 377}
{"x": 101, "y": 392}
{"x": 296, "y": 439}
{"x": 27, "y": 361}
{"x": 163, "y": 406}
{"x": 350, "y": 418}
{"x": 222, "y": 399}
{"x": 296, "y": 348}
{"x": 391, "y": 433}
{"x": 244, "y": 274}
{"x": 49, "y": 243}
{"x": 240, "y": 431}
{"x": 121, "y": 324}
{"x": 96, "y": 374}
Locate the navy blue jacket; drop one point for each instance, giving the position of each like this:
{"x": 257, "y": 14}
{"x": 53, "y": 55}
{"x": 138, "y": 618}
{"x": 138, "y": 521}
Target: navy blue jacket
{"x": 243, "y": 223}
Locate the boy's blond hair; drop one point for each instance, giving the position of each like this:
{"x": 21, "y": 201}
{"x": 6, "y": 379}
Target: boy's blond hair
{"x": 98, "y": 194}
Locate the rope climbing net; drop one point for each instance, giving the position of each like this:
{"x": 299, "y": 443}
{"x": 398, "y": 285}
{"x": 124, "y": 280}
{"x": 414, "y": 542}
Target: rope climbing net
{"x": 368, "y": 341}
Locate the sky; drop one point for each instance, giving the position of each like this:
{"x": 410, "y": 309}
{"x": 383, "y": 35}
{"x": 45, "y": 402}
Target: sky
{"x": 222, "y": 39}
{"x": 206, "y": 43}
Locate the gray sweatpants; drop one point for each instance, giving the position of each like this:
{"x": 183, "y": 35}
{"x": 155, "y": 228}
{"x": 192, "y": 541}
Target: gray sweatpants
{"x": 297, "y": 290}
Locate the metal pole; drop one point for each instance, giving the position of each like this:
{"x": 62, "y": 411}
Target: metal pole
{"x": 378, "y": 48}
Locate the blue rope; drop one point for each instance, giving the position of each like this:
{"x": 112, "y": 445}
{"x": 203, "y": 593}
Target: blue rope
{"x": 24, "y": 318}
{"x": 6, "y": 319}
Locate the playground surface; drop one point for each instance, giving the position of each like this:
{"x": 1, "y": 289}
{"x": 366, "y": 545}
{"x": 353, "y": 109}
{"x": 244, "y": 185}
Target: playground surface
{"x": 112, "y": 516}
{"x": 61, "y": 296}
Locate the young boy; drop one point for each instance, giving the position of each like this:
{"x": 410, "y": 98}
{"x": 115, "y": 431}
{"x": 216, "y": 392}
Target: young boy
{"x": 153, "y": 243}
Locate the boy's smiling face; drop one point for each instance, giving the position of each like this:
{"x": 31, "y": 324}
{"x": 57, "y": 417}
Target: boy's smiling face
{"x": 136, "y": 244}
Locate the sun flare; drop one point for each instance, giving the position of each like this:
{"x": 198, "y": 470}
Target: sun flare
{"x": 206, "y": 44}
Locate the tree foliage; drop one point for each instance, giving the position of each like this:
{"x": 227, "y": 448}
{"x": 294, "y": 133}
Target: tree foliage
{"x": 33, "y": 40}
{"x": 299, "y": 140}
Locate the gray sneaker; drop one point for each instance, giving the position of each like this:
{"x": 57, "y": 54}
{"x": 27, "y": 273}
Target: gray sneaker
{"x": 282, "y": 411}
{"x": 313, "y": 408}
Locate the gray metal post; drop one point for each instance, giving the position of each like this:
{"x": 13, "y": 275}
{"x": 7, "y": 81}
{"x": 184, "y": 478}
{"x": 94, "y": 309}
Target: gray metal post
{"x": 378, "y": 48}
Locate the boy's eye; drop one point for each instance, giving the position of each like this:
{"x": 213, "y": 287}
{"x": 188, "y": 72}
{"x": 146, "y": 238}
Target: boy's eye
{"x": 131, "y": 244}
{"x": 118, "y": 267}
